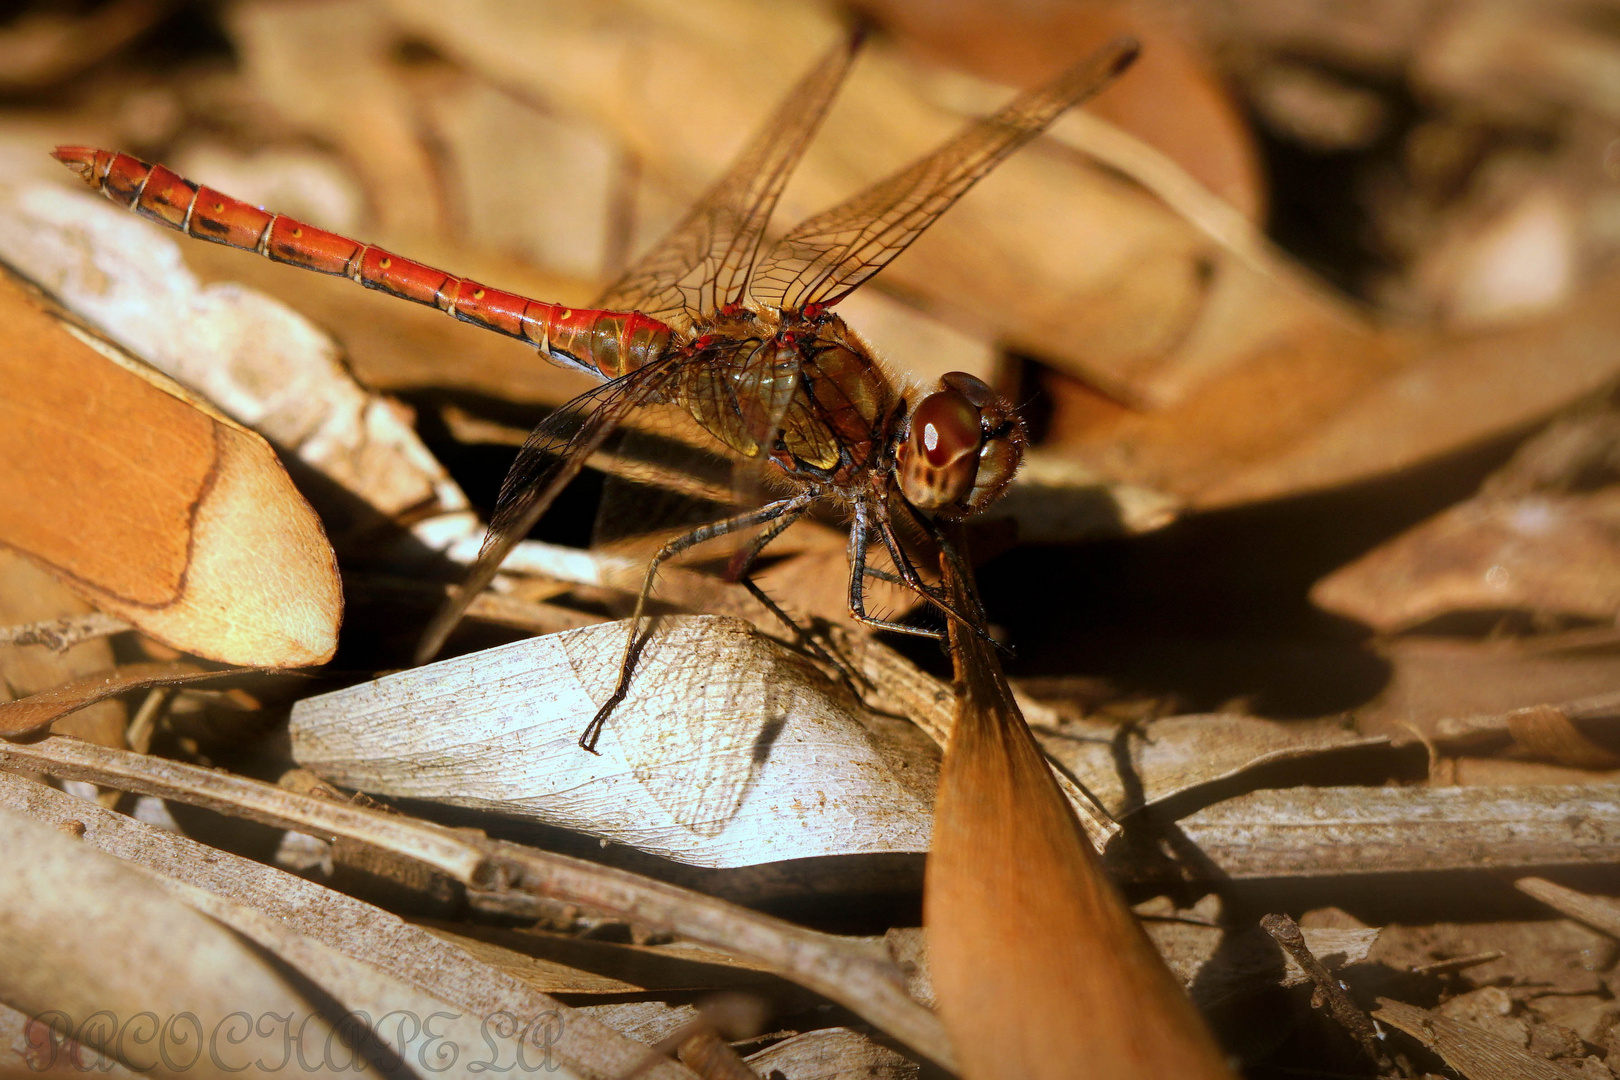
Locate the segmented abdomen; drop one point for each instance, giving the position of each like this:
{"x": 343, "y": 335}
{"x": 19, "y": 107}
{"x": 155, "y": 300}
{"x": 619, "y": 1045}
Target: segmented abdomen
{"x": 606, "y": 344}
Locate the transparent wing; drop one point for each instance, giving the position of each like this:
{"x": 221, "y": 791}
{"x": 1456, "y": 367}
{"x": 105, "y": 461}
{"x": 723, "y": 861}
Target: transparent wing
{"x": 826, "y": 257}
{"x": 551, "y": 457}
{"x": 705, "y": 262}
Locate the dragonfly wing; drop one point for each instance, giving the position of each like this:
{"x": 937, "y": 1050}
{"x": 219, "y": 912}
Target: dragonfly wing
{"x": 828, "y": 256}
{"x": 705, "y": 262}
{"x": 551, "y": 457}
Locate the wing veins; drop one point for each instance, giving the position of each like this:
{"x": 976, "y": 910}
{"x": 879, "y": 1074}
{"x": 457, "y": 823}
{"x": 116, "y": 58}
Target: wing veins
{"x": 827, "y": 256}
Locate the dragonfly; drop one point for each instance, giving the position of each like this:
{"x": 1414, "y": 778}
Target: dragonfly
{"x": 737, "y": 333}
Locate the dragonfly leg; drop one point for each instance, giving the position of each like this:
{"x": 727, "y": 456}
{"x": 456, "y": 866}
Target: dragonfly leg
{"x": 880, "y": 574}
{"x": 764, "y": 515}
{"x": 912, "y": 580}
{"x": 804, "y": 638}
{"x": 859, "y": 534}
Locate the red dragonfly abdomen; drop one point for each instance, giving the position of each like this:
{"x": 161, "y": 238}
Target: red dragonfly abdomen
{"x": 606, "y": 344}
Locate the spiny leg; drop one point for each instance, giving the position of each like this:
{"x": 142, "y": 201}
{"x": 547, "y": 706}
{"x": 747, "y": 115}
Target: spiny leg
{"x": 767, "y": 513}
{"x": 858, "y": 536}
{"x": 913, "y": 580}
{"x": 802, "y": 637}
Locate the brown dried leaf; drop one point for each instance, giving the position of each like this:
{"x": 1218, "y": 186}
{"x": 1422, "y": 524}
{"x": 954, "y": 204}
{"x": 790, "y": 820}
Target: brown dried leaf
{"x": 1036, "y": 960}
{"x": 34, "y": 712}
{"x": 180, "y": 522}
{"x": 1552, "y": 554}
{"x": 28, "y": 596}
{"x": 1174, "y": 101}
{"x": 253, "y": 358}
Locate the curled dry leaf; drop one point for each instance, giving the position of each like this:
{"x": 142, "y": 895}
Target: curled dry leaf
{"x": 1546, "y": 554}
{"x": 1337, "y": 404}
{"x": 254, "y": 358}
{"x": 729, "y": 750}
{"x": 180, "y": 521}
{"x": 70, "y": 954}
{"x": 1036, "y": 960}
{"x": 368, "y": 959}
{"x": 36, "y": 711}
{"x": 1539, "y": 537}
{"x": 1570, "y": 733}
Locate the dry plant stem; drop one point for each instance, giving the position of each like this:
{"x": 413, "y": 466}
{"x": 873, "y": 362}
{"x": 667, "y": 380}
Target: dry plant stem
{"x": 1599, "y": 914}
{"x": 60, "y": 635}
{"x": 1458, "y": 963}
{"x": 34, "y": 712}
{"x": 864, "y": 982}
{"x": 1349, "y": 1016}
{"x": 1037, "y": 963}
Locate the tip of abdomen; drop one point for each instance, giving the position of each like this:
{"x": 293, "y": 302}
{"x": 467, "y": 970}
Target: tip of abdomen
{"x": 81, "y": 159}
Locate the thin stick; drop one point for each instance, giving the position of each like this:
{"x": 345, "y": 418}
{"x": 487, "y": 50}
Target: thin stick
{"x": 1286, "y": 933}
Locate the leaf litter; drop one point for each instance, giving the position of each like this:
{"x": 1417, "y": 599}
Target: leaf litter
{"x": 1413, "y": 434}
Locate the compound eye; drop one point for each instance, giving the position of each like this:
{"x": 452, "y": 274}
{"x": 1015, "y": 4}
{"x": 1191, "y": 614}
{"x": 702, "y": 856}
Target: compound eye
{"x": 939, "y": 460}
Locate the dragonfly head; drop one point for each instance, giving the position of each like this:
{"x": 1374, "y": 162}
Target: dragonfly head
{"x": 961, "y": 447}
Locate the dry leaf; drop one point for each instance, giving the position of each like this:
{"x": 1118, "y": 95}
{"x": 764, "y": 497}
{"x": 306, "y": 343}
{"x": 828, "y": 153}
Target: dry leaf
{"x": 256, "y": 360}
{"x": 508, "y": 877}
{"x": 1036, "y": 960}
{"x": 729, "y": 750}
{"x": 29, "y": 596}
{"x": 1476, "y": 1054}
{"x": 830, "y": 1054}
{"x": 1546, "y": 554}
{"x": 1174, "y": 102}
{"x": 38, "y": 710}
{"x": 178, "y": 521}
{"x": 70, "y": 954}
{"x": 350, "y": 949}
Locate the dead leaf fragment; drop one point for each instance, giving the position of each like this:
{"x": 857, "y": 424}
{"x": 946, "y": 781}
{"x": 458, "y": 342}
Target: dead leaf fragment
{"x": 37, "y": 710}
{"x": 729, "y": 750}
{"x": 70, "y": 953}
{"x": 157, "y": 511}
{"x": 1476, "y": 1054}
{"x": 1036, "y": 960}
{"x": 1554, "y": 554}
